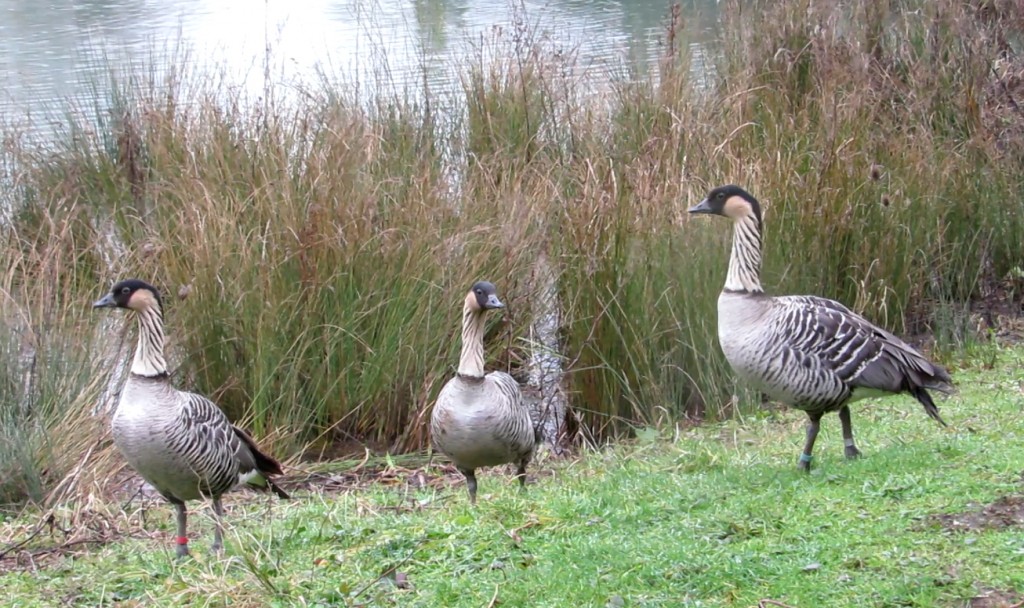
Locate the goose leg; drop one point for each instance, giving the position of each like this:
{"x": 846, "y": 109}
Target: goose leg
{"x": 470, "y": 483}
{"x": 521, "y": 474}
{"x": 218, "y": 525}
{"x": 851, "y": 447}
{"x": 181, "y": 549}
{"x": 813, "y": 425}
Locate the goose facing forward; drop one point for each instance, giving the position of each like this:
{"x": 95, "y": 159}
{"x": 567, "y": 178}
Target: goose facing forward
{"x": 480, "y": 420}
{"x": 811, "y": 353}
{"x": 181, "y": 443}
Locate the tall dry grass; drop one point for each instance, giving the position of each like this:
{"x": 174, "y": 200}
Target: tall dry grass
{"x": 324, "y": 243}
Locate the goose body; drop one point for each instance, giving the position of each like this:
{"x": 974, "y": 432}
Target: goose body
{"x": 186, "y": 448}
{"x": 811, "y": 353}
{"x": 179, "y": 442}
{"x": 477, "y": 424}
{"x": 480, "y": 420}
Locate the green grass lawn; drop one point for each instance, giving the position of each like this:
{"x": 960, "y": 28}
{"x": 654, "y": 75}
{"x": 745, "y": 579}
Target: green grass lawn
{"x": 716, "y": 516}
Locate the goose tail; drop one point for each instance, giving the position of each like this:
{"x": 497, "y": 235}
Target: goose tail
{"x": 276, "y": 489}
{"x": 921, "y": 394}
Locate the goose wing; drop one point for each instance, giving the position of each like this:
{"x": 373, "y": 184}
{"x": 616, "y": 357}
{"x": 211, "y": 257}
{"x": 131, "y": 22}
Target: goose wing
{"x": 223, "y": 453}
{"x": 516, "y": 424}
{"x": 209, "y": 431}
{"x": 860, "y": 353}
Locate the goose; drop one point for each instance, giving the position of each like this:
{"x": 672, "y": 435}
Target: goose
{"x": 179, "y": 442}
{"x": 809, "y": 352}
{"x": 480, "y": 420}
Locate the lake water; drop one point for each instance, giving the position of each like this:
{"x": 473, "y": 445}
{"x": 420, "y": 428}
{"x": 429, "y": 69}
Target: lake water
{"x": 55, "y": 50}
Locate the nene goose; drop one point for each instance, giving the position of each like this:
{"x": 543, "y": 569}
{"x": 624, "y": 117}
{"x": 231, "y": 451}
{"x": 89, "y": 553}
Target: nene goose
{"x": 480, "y": 420}
{"x": 179, "y": 442}
{"x": 808, "y": 352}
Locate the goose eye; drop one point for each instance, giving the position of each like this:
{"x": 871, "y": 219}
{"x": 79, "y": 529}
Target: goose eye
{"x": 720, "y": 195}
{"x": 126, "y": 290}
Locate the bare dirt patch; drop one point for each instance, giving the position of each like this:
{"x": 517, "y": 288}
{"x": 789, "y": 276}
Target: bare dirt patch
{"x": 1004, "y": 512}
{"x": 994, "y": 598}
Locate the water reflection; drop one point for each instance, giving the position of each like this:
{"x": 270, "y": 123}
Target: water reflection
{"x": 50, "y": 51}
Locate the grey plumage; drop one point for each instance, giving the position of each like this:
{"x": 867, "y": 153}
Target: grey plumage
{"x": 480, "y": 420}
{"x": 812, "y": 353}
{"x": 179, "y": 442}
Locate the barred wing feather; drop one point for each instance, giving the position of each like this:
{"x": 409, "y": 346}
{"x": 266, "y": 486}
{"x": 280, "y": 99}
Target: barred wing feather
{"x": 860, "y": 353}
{"x": 223, "y": 452}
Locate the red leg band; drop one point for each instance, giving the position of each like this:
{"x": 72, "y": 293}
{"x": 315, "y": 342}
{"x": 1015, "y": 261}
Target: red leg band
{"x": 182, "y": 540}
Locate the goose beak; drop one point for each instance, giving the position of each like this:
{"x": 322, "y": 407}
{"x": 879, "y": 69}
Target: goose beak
{"x": 106, "y": 301}
{"x": 494, "y": 302}
{"x": 702, "y": 207}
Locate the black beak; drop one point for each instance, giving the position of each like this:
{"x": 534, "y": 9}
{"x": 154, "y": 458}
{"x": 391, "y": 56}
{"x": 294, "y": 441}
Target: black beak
{"x": 702, "y": 207}
{"x": 106, "y": 301}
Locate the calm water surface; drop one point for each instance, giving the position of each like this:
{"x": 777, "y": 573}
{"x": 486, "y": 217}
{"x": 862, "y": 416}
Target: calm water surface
{"x": 55, "y": 50}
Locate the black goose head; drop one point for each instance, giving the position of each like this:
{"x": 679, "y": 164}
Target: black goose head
{"x": 729, "y": 201}
{"x": 132, "y": 294}
{"x": 483, "y": 296}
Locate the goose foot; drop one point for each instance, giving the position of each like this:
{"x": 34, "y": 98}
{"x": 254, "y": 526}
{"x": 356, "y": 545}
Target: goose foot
{"x": 470, "y": 475}
{"x": 218, "y": 529}
{"x": 851, "y": 449}
{"x": 181, "y": 550}
{"x": 813, "y": 424}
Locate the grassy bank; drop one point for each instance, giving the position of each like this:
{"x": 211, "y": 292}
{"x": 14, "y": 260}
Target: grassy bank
{"x": 325, "y": 242}
{"x": 711, "y": 516}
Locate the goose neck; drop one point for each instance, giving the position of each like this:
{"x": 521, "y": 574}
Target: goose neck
{"x": 149, "y": 354}
{"x": 471, "y": 363}
{"x": 745, "y": 262}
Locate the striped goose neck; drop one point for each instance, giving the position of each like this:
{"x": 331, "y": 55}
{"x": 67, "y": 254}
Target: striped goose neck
{"x": 149, "y": 355}
{"x": 745, "y": 263}
{"x": 471, "y": 363}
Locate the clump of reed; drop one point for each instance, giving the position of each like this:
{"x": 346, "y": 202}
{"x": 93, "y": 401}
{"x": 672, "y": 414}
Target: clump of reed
{"x": 877, "y": 135}
{"x": 323, "y": 243}
{"x": 51, "y": 381}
